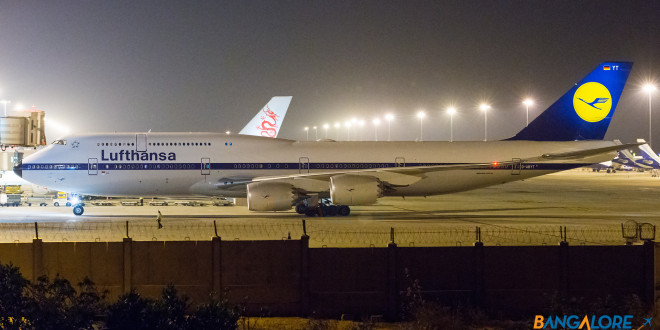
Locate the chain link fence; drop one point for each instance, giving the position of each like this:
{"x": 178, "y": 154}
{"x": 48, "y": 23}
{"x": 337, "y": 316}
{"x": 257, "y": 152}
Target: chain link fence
{"x": 326, "y": 234}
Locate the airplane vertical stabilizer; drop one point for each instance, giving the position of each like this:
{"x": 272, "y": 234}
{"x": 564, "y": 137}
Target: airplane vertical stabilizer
{"x": 649, "y": 155}
{"x": 585, "y": 111}
{"x": 268, "y": 121}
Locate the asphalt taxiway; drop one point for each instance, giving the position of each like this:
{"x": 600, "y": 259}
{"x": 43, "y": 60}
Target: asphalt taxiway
{"x": 591, "y": 205}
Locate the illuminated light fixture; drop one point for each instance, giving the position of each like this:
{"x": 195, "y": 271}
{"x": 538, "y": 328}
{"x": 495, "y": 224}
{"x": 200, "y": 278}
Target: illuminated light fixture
{"x": 649, "y": 88}
{"x": 485, "y": 107}
{"x": 451, "y": 111}
{"x": 389, "y": 118}
{"x": 421, "y": 116}
{"x": 376, "y": 123}
{"x": 527, "y": 102}
{"x": 5, "y": 102}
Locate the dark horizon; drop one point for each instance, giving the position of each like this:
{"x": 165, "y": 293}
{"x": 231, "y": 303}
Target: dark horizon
{"x": 209, "y": 66}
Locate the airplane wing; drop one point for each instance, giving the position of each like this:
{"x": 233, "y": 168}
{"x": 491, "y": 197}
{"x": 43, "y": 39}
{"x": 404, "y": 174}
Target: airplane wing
{"x": 587, "y": 152}
{"x": 404, "y": 176}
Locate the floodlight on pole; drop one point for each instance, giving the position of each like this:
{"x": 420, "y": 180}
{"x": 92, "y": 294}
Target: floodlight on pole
{"x": 376, "y": 122}
{"x": 361, "y": 124}
{"x": 527, "y": 102}
{"x": 316, "y": 134}
{"x": 451, "y": 111}
{"x": 307, "y": 132}
{"x": 325, "y": 127}
{"x": 649, "y": 88}
{"x": 5, "y": 102}
{"x": 421, "y": 116}
{"x": 389, "y": 118}
{"x": 485, "y": 107}
{"x": 337, "y": 127}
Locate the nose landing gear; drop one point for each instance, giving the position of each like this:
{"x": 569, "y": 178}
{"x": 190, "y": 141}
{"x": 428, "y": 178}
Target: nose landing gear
{"x": 78, "y": 209}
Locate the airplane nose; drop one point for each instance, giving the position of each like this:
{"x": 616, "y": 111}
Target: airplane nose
{"x": 18, "y": 169}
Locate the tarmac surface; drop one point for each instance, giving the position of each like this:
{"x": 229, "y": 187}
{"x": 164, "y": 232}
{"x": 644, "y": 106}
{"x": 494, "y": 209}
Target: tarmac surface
{"x": 592, "y": 206}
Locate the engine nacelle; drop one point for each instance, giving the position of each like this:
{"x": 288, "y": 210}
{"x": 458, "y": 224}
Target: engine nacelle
{"x": 350, "y": 189}
{"x": 270, "y": 196}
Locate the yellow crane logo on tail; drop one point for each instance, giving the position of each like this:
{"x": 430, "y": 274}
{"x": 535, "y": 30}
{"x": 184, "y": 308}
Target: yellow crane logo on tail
{"x": 592, "y": 102}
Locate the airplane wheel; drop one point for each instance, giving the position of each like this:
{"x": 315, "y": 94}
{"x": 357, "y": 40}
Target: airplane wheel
{"x": 301, "y": 208}
{"x": 344, "y": 210}
{"x": 78, "y": 210}
{"x": 325, "y": 210}
{"x": 311, "y": 212}
{"x": 56, "y": 204}
{"x": 332, "y": 211}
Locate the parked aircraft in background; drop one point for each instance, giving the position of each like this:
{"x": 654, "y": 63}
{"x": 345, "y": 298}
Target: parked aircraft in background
{"x": 624, "y": 161}
{"x": 277, "y": 174}
{"x": 648, "y": 157}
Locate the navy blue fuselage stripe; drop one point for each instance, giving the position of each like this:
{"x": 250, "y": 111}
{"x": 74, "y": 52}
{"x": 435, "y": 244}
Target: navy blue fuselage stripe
{"x": 276, "y": 166}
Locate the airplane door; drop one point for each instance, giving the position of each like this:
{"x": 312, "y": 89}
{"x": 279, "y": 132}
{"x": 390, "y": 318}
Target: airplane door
{"x": 206, "y": 166}
{"x": 92, "y": 166}
{"x": 141, "y": 142}
{"x": 516, "y": 166}
{"x": 399, "y": 162}
{"x": 303, "y": 165}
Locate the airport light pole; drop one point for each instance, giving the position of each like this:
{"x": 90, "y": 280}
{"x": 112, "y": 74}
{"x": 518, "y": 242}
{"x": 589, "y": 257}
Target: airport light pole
{"x": 451, "y": 111}
{"x": 5, "y": 102}
{"x": 485, "y": 107}
{"x": 348, "y": 130}
{"x": 337, "y": 127}
{"x": 325, "y": 127}
{"x": 307, "y": 132}
{"x": 649, "y": 88}
{"x": 421, "y": 116}
{"x": 389, "y": 118}
{"x": 527, "y": 102}
{"x": 316, "y": 134}
{"x": 376, "y": 122}
{"x": 361, "y": 124}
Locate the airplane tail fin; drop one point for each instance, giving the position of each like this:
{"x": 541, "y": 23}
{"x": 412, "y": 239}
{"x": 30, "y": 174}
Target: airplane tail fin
{"x": 268, "y": 121}
{"x": 648, "y": 154}
{"x": 585, "y": 111}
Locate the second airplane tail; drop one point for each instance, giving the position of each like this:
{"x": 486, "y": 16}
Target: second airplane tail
{"x": 585, "y": 111}
{"x": 268, "y": 121}
{"x": 650, "y": 157}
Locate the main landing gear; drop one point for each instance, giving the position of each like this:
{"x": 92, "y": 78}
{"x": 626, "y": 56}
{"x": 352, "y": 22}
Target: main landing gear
{"x": 323, "y": 210}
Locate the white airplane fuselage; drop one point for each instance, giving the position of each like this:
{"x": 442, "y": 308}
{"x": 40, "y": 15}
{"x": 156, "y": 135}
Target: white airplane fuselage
{"x": 172, "y": 164}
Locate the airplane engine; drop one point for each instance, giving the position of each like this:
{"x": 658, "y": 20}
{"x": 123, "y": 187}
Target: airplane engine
{"x": 270, "y": 196}
{"x": 355, "y": 189}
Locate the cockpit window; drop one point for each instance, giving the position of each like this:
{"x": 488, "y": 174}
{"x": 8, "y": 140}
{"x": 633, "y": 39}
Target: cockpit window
{"x": 62, "y": 142}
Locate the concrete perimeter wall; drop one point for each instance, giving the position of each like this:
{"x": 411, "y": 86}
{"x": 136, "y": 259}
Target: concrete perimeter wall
{"x": 287, "y": 278}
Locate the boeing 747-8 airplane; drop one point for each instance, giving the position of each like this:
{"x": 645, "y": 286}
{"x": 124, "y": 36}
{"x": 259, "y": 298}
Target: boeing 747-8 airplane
{"x": 278, "y": 174}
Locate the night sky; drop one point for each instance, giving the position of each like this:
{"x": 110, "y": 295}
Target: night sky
{"x": 210, "y": 65}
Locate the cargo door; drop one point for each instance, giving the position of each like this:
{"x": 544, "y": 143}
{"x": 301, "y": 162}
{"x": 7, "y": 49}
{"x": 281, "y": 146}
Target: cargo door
{"x": 303, "y": 165}
{"x": 92, "y": 166}
{"x": 399, "y": 162}
{"x": 206, "y": 166}
{"x": 516, "y": 166}
{"x": 141, "y": 142}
